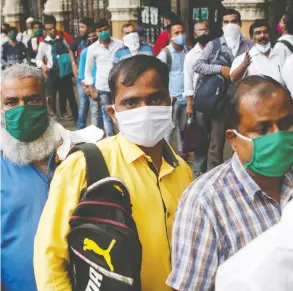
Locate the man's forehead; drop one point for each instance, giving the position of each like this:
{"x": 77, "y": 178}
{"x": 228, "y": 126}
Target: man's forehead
{"x": 230, "y": 17}
{"x": 200, "y": 25}
{"x": 256, "y": 107}
{"x": 145, "y": 84}
{"x": 22, "y": 85}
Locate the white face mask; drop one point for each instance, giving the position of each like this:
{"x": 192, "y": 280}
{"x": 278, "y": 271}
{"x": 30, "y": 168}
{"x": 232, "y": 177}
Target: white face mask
{"x": 232, "y": 31}
{"x": 145, "y": 126}
{"x": 131, "y": 40}
{"x": 263, "y": 48}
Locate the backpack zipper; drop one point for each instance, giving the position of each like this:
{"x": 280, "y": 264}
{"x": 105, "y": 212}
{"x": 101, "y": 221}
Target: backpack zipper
{"x": 89, "y": 218}
{"x": 104, "y": 203}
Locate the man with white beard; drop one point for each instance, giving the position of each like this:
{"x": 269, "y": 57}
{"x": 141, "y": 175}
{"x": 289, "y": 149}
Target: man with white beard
{"x": 27, "y": 163}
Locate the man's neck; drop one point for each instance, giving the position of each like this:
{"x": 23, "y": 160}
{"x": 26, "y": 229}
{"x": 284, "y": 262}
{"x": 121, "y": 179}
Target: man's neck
{"x": 271, "y": 186}
{"x": 177, "y": 47}
{"x": 12, "y": 42}
{"x": 267, "y": 54}
{"x": 42, "y": 166}
{"x": 105, "y": 42}
{"x": 155, "y": 153}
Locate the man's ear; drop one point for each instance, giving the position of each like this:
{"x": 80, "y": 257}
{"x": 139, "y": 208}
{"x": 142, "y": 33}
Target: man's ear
{"x": 111, "y": 113}
{"x": 231, "y": 136}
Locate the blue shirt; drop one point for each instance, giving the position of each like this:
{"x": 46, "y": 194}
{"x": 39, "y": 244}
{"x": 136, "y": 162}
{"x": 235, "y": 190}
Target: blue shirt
{"x": 176, "y": 74}
{"x": 24, "y": 191}
{"x": 124, "y": 52}
{"x": 81, "y": 66}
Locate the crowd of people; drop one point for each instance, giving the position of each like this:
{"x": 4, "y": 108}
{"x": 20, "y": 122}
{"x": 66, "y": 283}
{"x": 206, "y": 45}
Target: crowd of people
{"x": 189, "y": 222}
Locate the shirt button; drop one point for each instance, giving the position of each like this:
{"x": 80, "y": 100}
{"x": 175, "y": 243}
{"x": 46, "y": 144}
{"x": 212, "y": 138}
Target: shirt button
{"x": 168, "y": 214}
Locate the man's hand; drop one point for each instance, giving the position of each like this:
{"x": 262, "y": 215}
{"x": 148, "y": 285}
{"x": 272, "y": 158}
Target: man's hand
{"x": 93, "y": 92}
{"x": 45, "y": 70}
{"x": 225, "y": 72}
{"x": 189, "y": 107}
{"x": 247, "y": 61}
{"x": 75, "y": 70}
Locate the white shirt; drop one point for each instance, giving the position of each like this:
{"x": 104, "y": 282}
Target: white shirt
{"x": 265, "y": 264}
{"x": 23, "y": 37}
{"x": 281, "y": 49}
{"x": 103, "y": 57}
{"x": 45, "y": 51}
{"x": 261, "y": 65}
{"x": 287, "y": 73}
{"x": 190, "y": 76}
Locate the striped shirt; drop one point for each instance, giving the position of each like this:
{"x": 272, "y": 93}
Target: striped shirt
{"x": 217, "y": 215}
{"x": 124, "y": 52}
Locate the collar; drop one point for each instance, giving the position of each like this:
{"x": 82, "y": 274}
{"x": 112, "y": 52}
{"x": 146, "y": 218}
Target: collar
{"x": 254, "y": 52}
{"x": 173, "y": 50}
{"x": 132, "y": 152}
{"x": 244, "y": 178}
{"x": 101, "y": 45}
{"x": 223, "y": 40}
{"x": 49, "y": 38}
{"x": 286, "y": 37}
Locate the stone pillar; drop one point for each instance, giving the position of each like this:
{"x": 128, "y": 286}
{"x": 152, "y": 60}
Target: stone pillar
{"x": 11, "y": 12}
{"x": 249, "y": 10}
{"x": 55, "y": 7}
{"x": 122, "y": 11}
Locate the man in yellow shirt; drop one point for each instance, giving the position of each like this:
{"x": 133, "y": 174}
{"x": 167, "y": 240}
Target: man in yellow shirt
{"x": 140, "y": 157}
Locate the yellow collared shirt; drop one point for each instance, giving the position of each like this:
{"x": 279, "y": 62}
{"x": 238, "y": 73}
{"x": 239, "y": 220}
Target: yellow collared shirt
{"x": 149, "y": 192}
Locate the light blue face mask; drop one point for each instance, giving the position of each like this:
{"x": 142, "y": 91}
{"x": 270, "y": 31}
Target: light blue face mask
{"x": 180, "y": 40}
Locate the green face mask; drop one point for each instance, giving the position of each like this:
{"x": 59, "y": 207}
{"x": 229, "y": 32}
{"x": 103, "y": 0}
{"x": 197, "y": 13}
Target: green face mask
{"x": 272, "y": 153}
{"x": 38, "y": 32}
{"x": 11, "y": 35}
{"x": 104, "y": 35}
{"x": 27, "y": 123}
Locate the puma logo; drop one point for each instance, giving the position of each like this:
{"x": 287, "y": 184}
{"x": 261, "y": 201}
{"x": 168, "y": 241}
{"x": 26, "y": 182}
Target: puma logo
{"x": 90, "y": 245}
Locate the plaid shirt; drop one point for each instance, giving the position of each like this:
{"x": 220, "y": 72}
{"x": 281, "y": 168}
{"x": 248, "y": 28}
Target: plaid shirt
{"x": 219, "y": 214}
{"x": 204, "y": 65}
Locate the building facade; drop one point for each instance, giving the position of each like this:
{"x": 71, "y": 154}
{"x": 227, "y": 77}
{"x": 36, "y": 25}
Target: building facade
{"x": 143, "y": 12}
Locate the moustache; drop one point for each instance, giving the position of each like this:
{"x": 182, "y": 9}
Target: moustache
{"x": 264, "y": 39}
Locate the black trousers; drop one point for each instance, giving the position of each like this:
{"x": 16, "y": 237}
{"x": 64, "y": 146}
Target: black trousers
{"x": 64, "y": 87}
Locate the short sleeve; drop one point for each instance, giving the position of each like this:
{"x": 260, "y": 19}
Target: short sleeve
{"x": 162, "y": 57}
{"x": 194, "y": 246}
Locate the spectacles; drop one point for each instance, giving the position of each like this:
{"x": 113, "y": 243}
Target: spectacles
{"x": 201, "y": 31}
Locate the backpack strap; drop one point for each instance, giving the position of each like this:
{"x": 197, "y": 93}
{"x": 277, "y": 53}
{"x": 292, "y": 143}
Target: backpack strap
{"x": 96, "y": 168}
{"x": 287, "y": 44}
{"x": 169, "y": 58}
{"x": 216, "y": 49}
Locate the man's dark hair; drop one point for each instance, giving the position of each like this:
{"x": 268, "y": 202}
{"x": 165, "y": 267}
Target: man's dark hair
{"x": 229, "y": 11}
{"x": 263, "y": 85}
{"x": 258, "y": 23}
{"x": 129, "y": 70}
{"x": 6, "y": 25}
{"x": 176, "y": 22}
{"x": 101, "y": 23}
{"x": 90, "y": 30}
{"x": 127, "y": 25}
{"x": 89, "y": 22}
{"x": 288, "y": 21}
{"x": 14, "y": 29}
{"x": 36, "y": 22}
{"x": 169, "y": 15}
{"x": 50, "y": 19}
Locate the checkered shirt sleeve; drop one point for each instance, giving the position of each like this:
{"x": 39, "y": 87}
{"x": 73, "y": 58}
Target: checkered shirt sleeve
{"x": 195, "y": 244}
{"x": 203, "y": 66}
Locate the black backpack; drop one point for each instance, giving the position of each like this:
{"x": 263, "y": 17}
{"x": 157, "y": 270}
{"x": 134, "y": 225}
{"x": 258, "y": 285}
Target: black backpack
{"x": 104, "y": 247}
{"x": 210, "y": 92}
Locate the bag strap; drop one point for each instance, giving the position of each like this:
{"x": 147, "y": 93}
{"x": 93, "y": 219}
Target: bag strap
{"x": 216, "y": 49}
{"x": 96, "y": 168}
{"x": 287, "y": 44}
{"x": 169, "y": 58}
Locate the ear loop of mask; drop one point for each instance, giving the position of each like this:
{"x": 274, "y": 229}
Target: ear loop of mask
{"x": 242, "y": 136}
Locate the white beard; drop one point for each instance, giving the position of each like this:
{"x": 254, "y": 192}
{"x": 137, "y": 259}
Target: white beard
{"x": 23, "y": 153}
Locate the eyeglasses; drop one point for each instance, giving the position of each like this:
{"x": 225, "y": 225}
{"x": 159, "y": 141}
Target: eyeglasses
{"x": 201, "y": 31}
